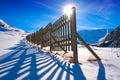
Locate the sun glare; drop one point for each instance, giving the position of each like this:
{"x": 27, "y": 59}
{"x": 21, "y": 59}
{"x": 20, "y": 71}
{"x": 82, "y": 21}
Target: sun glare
{"x": 68, "y": 10}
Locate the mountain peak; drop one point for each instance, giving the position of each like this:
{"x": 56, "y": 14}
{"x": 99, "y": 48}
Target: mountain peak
{"x": 4, "y": 24}
{"x": 112, "y": 39}
{"x": 4, "y": 27}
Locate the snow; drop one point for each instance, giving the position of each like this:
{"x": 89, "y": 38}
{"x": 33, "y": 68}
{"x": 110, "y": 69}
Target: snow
{"x": 101, "y": 40}
{"x": 4, "y": 24}
{"x": 106, "y": 69}
{"x": 9, "y": 39}
{"x": 20, "y": 60}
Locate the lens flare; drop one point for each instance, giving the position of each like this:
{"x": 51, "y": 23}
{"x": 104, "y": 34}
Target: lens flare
{"x": 68, "y": 10}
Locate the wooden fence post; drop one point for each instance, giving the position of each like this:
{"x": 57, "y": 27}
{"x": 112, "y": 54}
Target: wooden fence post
{"x": 42, "y": 44}
{"x": 51, "y": 38}
{"x": 89, "y": 48}
{"x": 73, "y": 34}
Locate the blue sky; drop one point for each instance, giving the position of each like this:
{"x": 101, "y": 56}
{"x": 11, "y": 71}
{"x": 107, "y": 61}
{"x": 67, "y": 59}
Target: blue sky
{"x": 31, "y": 15}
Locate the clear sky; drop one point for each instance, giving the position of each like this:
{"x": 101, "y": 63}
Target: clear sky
{"x": 31, "y": 15}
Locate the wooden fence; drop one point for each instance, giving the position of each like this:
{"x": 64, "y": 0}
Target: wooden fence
{"x": 60, "y": 35}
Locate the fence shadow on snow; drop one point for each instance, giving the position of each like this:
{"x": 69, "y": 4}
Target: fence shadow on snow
{"x": 30, "y": 63}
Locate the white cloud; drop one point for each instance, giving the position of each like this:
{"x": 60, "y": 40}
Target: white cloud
{"x": 80, "y": 27}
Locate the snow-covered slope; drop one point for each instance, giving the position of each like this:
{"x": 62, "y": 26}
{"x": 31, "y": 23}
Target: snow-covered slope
{"x": 4, "y": 24}
{"x": 9, "y": 37}
{"x": 112, "y": 39}
{"x": 6, "y": 27}
{"x": 101, "y": 40}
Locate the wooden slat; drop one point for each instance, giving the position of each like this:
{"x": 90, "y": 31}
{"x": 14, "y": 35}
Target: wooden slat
{"x": 89, "y": 48}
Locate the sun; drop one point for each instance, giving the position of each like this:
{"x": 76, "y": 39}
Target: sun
{"x": 68, "y": 9}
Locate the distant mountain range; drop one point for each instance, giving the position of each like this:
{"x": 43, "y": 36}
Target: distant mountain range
{"x": 93, "y": 36}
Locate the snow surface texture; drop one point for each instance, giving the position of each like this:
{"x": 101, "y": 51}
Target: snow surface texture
{"x": 106, "y": 69}
{"x": 27, "y": 62}
{"x": 21, "y": 60}
{"x": 9, "y": 37}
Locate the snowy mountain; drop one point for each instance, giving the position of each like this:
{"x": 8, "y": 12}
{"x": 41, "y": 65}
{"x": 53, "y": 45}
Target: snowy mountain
{"x": 6, "y": 27}
{"x": 4, "y": 24}
{"x": 101, "y": 40}
{"x": 112, "y": 39}
{"x": 9, "y": 36}
{"x": 93, "y": 36}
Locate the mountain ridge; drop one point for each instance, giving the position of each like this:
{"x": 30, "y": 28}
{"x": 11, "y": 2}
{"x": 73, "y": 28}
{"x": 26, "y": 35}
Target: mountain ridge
{"x": 92, "y": 36}
{"x": 5, "y": 27}
{"x": 112, "y": 39}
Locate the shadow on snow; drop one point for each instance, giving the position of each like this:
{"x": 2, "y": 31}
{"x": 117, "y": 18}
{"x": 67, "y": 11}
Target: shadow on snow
{"x": 101, "y": 71}
{"x": 27, "y": 62}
